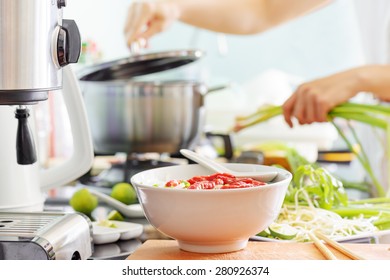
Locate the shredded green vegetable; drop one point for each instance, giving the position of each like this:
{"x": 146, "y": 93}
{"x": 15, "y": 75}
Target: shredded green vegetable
{"x": 323, "y": 189}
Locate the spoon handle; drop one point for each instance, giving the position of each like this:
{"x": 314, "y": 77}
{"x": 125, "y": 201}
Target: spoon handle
{"x": 204, "y": 161}
{"x": 130, "y": 211}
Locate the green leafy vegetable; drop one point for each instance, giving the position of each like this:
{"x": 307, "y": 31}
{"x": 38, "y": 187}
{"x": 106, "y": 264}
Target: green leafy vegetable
{"x": 316, "y": 186}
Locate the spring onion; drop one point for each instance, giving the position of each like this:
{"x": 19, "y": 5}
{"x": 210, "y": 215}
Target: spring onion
{"x": 372, "y": 115}
{"x": 317, "y": 187}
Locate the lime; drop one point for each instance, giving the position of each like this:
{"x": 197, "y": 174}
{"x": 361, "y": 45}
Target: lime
{"x": 114, "y": 215}
{"x": 83, "y": 201}
{"x": 283, "y": 231}
{"x": 264, "y": 233}
{"x": 106, "y": 223}
{"x": 124, "y": 192}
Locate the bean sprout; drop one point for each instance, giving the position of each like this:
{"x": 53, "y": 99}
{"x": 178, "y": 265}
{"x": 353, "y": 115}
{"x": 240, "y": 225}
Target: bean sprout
{"x": 308, "y": 219}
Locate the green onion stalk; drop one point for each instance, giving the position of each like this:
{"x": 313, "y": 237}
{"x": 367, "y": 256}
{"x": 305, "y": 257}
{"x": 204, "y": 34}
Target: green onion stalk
{"x": 388, "y": 158}
{"x": 368, "y": 114}
{"x": 362, "y": 157}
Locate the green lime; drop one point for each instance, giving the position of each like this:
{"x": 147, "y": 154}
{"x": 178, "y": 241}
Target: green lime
{"x": 114, "y": 215}
{"x": 283, "y": 231}
{"x": 83, "y": 201}
{"x": 264, "y": 233}
{"x": 106, "y": 223}
{"x": 124, "y": 192}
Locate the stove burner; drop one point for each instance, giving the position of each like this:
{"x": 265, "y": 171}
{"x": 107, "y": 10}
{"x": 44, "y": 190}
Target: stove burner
{"x": 121, "y": 172}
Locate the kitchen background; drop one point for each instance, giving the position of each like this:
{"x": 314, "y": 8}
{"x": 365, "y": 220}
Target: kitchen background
{"x": 260, "y": 69}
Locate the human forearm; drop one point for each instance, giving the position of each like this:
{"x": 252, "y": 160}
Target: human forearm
{"x": 375, "y": 79}
{"x": 148, "y": 18}
{"x": 243, "y": 16}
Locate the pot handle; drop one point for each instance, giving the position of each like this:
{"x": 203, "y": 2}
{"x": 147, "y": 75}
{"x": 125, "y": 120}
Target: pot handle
{"x": 81, "y": 160}
{"x": 227, "y": 143}
{"x": 218, "y": 88}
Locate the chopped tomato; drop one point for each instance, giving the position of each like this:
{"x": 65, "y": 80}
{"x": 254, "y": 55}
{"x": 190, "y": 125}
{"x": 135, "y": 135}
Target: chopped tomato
{"x": 196, "y": 179}
{"x": 172, "y": 183}
{"x": 202, "y": 185}
{"x": 226, "y": 178}
{"x": 250, "y": 181}
{"x": 216, "y": 181}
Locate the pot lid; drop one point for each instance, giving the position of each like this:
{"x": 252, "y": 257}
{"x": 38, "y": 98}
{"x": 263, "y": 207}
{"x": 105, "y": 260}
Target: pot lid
{"x": 137, "y": 65}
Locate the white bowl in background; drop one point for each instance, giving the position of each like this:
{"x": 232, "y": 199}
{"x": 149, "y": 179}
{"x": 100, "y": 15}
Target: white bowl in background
{"x": 209, "y": 221}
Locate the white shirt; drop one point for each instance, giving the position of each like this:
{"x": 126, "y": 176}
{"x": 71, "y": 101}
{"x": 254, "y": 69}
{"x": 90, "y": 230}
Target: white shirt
{"x": 373, "y": 17}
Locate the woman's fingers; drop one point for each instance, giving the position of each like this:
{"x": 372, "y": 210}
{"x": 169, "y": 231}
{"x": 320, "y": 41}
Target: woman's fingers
{"x": 140, "y": 14}
{"x": 288, "y": 108}
{"x": 299, "y": 111}
{"x": 306, "y": 105}
{"x": 322, "y": 109}
{"x": 147, "y": 18}
{"x": 310, "y": 109}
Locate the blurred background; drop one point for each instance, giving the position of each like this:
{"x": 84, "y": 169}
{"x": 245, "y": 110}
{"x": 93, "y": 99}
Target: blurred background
{"x": 260, "y": 69}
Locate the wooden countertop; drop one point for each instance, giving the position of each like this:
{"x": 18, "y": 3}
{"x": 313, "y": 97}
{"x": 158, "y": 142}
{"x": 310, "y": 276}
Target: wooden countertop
{"x": 169, "y": 250}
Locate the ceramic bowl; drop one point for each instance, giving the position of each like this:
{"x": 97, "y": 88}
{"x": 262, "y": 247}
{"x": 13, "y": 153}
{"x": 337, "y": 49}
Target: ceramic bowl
{"x": 209, "y": 221}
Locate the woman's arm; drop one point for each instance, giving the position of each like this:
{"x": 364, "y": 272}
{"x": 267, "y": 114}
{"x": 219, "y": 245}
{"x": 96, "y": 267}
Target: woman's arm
{"x": 243, "y": 16}
{"x": 147, "y": 18}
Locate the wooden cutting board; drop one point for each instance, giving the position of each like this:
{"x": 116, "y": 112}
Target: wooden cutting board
{"x": 169, "y": 250}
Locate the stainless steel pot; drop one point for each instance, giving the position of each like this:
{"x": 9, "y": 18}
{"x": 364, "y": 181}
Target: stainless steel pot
{"x": 135, "y": 116}
{"x": 144, "y": 116}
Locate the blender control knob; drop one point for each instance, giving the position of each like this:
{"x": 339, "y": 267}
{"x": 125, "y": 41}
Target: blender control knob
{"x": 68, "y": 43}
{"x": 61, "y": 3}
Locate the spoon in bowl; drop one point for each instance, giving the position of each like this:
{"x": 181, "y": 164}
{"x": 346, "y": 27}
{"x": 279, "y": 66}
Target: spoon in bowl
{"x": 264, "y": 176}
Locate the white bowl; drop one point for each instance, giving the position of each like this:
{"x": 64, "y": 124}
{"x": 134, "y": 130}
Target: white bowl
{"x": 209, "y": 221}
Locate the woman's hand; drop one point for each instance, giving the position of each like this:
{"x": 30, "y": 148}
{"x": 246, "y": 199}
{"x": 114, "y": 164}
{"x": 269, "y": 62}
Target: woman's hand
{"x": 312, "y": 101}
{"x": 147, "y": 18}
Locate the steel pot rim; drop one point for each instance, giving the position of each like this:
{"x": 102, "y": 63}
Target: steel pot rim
{"x": 139, "y": 65}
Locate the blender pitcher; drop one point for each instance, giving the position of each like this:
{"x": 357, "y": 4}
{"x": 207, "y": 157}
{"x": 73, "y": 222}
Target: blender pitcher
{"x": 36, "y": 45}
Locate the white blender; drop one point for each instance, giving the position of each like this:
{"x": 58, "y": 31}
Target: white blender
{"x": 36, "y": 45}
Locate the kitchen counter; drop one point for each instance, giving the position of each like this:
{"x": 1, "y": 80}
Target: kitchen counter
{"x": 154, "y": 245}
{"x": 169, "y": 250}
